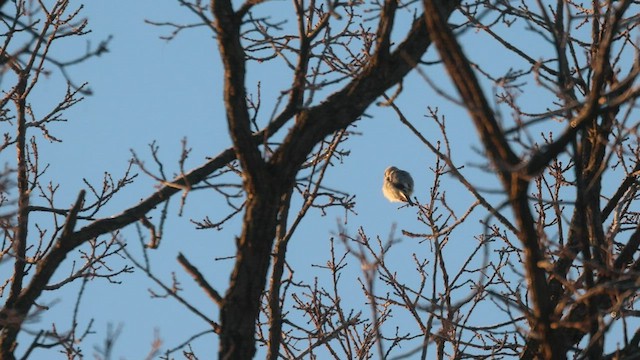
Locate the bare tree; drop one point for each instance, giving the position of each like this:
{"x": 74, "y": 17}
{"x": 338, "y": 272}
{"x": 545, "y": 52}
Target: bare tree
{"x": 555, "y": 255}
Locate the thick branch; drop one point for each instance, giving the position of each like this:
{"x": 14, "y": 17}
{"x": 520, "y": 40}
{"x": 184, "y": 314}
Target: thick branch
{"x": 241, "y": 303}
{"x": 346, "y": 106}
{"x": 622, "y": 189}
{"x": 628, "y": 251}
{"x": 26, "y": 299}
{"x": 600, "y": 66}
{"x": 20, "y": 236}
{"x": 385, "y": 26}
{"x": 48, "y": 265}
{"x": 504, "y": 159}
{"x": 233, "y": 58}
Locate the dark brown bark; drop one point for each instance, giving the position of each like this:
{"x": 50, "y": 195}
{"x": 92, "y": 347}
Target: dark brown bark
{"x": 586, "y": 234}
{"x": 241, "y": 304}
{"x": 506, "y": 163}
{"x": 266, "y": 187}
{"x": 590, "y": 136}
{"x": 266, "y": 183}
{"x": 12, "y": 307}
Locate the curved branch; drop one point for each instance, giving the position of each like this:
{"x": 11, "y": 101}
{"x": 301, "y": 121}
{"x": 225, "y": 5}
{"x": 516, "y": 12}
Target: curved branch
{"x": 233, "y": 57}
{"x": 345, "y": 106}
{"x": 99, "y": 227}
{"x": 504, "y": 159}
{"x": 383, "y": 35}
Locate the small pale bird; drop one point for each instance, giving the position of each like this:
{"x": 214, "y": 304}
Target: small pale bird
{"x": 398, "y": 185}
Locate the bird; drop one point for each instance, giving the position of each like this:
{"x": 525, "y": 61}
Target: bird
{"x": 398, "y": 185}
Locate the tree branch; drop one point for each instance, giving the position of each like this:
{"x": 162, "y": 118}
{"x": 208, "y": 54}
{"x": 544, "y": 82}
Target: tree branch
{"x": 503, "y": 159}
{"x": 346, "y": 105}
{"x": 227, "y": 25}
{"x": 199, "y": 279}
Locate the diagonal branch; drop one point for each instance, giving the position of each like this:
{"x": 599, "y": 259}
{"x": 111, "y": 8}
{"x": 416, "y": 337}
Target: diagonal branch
{"x": 504, "y": 159}
{"x": 199, "y": 279}
{"x": 628, "y": 181}
{"x": 628, "y": 251}
{"x": 265, "y": 195}
{"x": 52, "y": 260}
{"x": 383, "y": 35}
{"x": 345, "y": 106}
{"x": 227, "y": 25}
{"x": 27, "y": 297}
{"x": 541, "y": 159}
{"x": 500, "y": 153}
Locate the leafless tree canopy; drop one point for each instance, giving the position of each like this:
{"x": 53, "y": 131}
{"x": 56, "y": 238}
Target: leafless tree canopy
{"x": 554, "y": 252}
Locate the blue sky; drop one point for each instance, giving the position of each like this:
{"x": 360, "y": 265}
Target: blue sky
{"x": 147, "y": 89}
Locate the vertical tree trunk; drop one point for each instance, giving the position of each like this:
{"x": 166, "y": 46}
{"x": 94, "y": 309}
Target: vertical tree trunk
{"x": 241, "y": 305}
